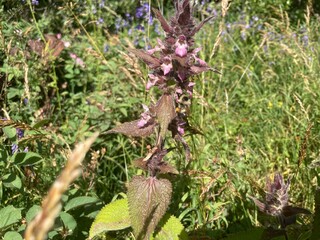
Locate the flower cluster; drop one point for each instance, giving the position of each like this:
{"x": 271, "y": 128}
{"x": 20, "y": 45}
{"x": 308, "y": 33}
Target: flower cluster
{"x": 277, "y": 202}
{"x": 171, "y": 62}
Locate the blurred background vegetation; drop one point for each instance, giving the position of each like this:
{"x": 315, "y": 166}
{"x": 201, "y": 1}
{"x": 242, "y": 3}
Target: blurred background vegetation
{"x": 260, "y": 116}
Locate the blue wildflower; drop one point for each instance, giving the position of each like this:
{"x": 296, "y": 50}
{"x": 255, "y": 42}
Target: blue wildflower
{"x": 20, "y": 133}
{"x": 106, "y": 48}
{"x": 35, "y": 2}
{"x": 99, "y": 21}
{"x": 139, "y": 12}
{"x": 140, "y": 27}
{"x": 14, "y": 148}
{"x": 305, "y": 40}
{"x": 101, "y": 4}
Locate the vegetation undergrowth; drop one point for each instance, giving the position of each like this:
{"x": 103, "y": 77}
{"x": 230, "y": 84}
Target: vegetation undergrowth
{"x": 65, "y": 71}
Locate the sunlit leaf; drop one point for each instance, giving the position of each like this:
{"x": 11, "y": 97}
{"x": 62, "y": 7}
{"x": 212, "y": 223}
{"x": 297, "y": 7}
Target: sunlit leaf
{"x": 132, "y": 129}
{"x": 114, "y": 216}
{"x": 148, "y": 200}
{"x": 9, "y": 215}
{"x": 32, "y": 212}
{"x": 11, "y": 180}
{"x": 171, "y": 228}
{"x": 12, "y": 236}
{"x": 10, "y": 132}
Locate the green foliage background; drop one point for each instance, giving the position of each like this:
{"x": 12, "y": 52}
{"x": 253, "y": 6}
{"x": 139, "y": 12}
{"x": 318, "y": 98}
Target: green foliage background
{"x": 260, "y": 116}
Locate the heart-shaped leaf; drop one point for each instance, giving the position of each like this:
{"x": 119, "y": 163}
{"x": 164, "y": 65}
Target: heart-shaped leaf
{"x": 114, "y": 216}
{"x": 148, "y": 200}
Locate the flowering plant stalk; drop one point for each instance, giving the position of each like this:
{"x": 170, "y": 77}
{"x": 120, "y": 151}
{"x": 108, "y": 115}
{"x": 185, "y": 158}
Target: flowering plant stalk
{"x": 172, "y": 63}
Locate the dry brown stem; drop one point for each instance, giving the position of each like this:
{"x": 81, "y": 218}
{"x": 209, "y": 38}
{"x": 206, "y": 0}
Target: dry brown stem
{"x": 51, "y": 205}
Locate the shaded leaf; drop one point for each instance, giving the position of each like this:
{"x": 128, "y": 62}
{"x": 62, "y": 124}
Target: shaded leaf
{"x": 9, "y": 215}
{"x": 165, "y": 26}
{"x": 68, "y": 221}
{"x": 132, "y": 129}
{"x": 152, "y": 62}
{"x": 26, "y": 158}
{"x": 11, "y": 180}
{"x": 80, "y": 201}
{"x": 171, "y": 229}
{"x": 250, "y": 234}
{"x": 184, "y": 12}
{"x": 316, "y": 222}
{"x": 114, "y": 216}
{"x": 148, "y": 200}
{"x": 163, "y": 167}
{"x": 165, "y": 112}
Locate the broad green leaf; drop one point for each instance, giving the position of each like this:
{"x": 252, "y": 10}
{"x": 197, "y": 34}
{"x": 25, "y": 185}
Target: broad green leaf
{"x": 12, "y": 236}
{"x": 26, "y": 158}
{"x": 32, "y": 212}
{"x": 79, "y": 201}
{"x": 9, "y": 215}
{"x": 114, "y": 216}
{"x": 11, "y": 180}
{"x": 171, "y": 229}
{"x": 68, "y": 221}
{"x": 148, "y": 200}
{"x": 10, "y": 132}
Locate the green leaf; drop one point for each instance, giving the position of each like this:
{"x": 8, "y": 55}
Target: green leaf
{"x": 3, "y": 157}
{"x": 41, "y": 123}
{"x": 114, "y": 216}
{"x": 148, "y": 200}
{"x": 32, "y": 212}
{"x": 68, "y": 221}
{"x": 10, "y": 132}
{"x": 9, "y": 215}
{"x": 12, "y": 236}
{"x": 171, "y": 229}
{"x": 11, "y": 180}
{"x": 79, "y": 201}
{"x": 26, "y": 158}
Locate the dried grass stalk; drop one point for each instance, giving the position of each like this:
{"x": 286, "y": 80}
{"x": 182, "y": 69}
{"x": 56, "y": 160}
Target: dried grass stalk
{"x": 225, "y": 6}
{"x": 51, "y": 206}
